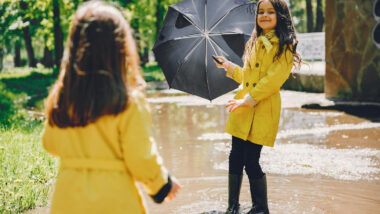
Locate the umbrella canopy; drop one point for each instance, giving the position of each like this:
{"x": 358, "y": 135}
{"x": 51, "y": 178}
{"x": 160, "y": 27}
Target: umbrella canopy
{"x": 194, "y": 31}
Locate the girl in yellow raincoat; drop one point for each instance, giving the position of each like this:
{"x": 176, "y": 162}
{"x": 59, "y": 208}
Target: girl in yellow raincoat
{"x": 98, "y": 121}
{"x": 255, "y": 110}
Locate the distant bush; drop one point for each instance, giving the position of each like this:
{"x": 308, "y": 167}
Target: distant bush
{"x": 7, "y": 106}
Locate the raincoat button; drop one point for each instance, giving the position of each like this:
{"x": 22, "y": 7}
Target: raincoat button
{"x": 263, "y": 47}
{"x": 257, "y": 65}
{"x": 254, "y": 84}
{"x": 247, "y": 84}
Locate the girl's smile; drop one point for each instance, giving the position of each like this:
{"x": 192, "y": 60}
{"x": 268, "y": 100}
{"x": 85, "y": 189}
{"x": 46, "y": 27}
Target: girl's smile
{"x": 267, "y": 17}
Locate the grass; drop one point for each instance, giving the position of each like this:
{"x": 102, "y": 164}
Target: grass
{"x": 26, "y": 170}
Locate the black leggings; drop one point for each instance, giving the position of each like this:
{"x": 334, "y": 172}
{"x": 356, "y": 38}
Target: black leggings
{"x": 245, "y": 153}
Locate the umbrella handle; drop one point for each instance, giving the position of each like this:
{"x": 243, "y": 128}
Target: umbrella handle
{"x": 217, "y": 60}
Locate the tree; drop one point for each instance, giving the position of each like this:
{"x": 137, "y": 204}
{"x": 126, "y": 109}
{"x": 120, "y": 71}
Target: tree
{"x": 318, "y": 27}
{"x": 58, "y": 35}
{"x": 310, "y": 17}
{"x": 158, "y": 16}
{"x": 27, "y": 35}
{"x": 320, "y": 17}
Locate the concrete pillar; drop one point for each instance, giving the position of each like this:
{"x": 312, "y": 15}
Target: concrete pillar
{"x": 352, "y": 58}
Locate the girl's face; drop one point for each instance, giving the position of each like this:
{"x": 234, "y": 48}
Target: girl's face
{"x": 266, "y": 17}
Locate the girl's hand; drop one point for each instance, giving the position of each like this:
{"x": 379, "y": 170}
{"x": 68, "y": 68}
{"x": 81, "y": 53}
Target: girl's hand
{"x": 248, "y": 101}
{"x": 234, "y": 104}
{"x": 224, "y": 61}
{"x": 176, "y": 186}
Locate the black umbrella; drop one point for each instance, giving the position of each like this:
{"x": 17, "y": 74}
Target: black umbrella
{"x": 192, "y": 32}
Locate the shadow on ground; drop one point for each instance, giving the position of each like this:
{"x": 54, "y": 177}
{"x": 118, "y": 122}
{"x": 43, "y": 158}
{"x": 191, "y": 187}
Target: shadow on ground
{"x": 35, "y": 86}
{"x": 367, "y": 111}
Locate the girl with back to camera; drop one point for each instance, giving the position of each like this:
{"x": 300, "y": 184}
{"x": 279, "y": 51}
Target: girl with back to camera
{"x": 255, "y": 110}
{"x": 98, "y": 121}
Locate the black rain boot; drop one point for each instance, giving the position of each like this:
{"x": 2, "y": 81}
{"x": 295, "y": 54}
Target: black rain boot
{"x": 259, "y": 196}
{"x": 234, "y": 185}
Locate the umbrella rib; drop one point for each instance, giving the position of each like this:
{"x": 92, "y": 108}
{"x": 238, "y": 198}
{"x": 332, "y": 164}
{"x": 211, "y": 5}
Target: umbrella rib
{"x": 225, "y": 15}
{"x": 187, "y": 55}
{"x": 189, "y": 36}
{"x": 208, "y": 86}
{"x": 195, "y": 25}
{"x": 213, "y": 48}
{"x": 192, "y": 1}
{"x": 222, "y": 34}
{"x": 216, "y": 44}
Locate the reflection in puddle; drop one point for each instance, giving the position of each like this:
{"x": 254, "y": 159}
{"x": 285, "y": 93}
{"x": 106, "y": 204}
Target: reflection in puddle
{"x": 304, "y": 159}
{"x": 323, "y": 131}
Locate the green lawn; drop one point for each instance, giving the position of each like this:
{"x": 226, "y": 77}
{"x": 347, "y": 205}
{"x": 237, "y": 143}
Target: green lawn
{"x": 27, "y": 172}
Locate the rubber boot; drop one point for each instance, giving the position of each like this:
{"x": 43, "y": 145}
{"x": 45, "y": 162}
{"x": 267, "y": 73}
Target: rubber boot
{"x": 259, "y": 196}
{"x": 234, "y": 186}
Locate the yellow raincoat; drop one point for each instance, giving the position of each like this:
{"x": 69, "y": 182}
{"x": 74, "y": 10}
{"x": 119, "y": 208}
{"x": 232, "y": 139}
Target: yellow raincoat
{"x": 101, "y": 162}
{"x": 262, "y": 78}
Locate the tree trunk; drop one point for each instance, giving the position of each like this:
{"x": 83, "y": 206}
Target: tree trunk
{"x": 310, "y": 18}
{"x": 27, "y": 38}
{"x": 29, "y": 47}
{"x": 17, "y": 55}
{"x": 320, "y": 17}
{"x": 58, "y": 35}
{"x": 158, "y": 17}
{"x": 47, "y": 61}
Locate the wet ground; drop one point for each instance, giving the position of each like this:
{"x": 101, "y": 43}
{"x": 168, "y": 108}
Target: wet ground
{"x": 324, "y": 161}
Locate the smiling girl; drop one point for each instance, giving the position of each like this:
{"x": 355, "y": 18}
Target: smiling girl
{"x": 255, "y": 110}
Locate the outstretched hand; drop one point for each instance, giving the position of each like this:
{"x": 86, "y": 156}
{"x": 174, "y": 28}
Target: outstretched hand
{"x": 234, "y": 104}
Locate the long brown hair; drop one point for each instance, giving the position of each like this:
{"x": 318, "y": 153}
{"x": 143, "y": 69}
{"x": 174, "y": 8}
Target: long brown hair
{"x": 284, "y": 30}
{"x": 99, "y": 62}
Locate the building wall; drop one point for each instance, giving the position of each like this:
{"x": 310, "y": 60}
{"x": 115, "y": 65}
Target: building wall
{"x": 352, "y": 58}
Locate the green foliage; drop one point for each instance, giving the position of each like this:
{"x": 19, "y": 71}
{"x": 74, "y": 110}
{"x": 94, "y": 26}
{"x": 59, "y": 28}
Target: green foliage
{"x": 143, "y": 20}
{"x": 7, "y": 109}
{"x": 298, "y": 10}
{"x": 153, "y": 72}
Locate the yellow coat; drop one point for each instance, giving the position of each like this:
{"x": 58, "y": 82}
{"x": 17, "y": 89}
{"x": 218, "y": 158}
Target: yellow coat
{"x": 101, "y": 162}
{"x": 262, "y": 78}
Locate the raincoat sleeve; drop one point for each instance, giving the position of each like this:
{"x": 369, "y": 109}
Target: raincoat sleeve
{"x": 277, "y": 74}
{"x": 47, "y": 142}
{"x": 235, "y": 72}
{"x": 139, "y": 149}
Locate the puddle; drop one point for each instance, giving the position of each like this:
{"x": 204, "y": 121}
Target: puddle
{"x": 323, "y": 161}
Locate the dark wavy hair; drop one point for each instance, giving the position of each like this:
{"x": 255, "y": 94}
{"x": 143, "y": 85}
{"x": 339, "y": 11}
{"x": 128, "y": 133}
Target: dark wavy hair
{"x": 99, "y": 62}
{"x": 284, "y": 30}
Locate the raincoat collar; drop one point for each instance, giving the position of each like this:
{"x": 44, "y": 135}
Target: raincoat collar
{"x": 267, "y": 39}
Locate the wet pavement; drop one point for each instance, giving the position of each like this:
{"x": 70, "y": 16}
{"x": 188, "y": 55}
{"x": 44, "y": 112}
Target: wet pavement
{"x": 324, "y": 161}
